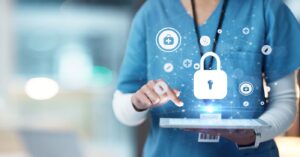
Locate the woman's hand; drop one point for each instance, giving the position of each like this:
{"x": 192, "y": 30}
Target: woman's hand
{"x": 146, "y": 97}
{"x": 240, "y": 137}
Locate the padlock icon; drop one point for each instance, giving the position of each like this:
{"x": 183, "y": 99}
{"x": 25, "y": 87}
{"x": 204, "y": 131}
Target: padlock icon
{"x": 168, "y": 40}
{"x": 210, "y": 84}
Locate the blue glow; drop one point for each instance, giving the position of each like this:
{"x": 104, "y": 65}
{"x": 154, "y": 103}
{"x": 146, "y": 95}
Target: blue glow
{"x": 209, "y": 109}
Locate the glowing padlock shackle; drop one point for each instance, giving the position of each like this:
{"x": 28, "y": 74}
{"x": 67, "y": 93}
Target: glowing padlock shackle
{"x": 210, "y": 54}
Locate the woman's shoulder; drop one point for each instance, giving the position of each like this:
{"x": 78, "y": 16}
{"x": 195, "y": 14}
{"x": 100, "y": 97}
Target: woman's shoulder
{"x": 276, "y": 7}
{"x": 267, "y": 6}
{"x": 148, "y": 7}
{"x": 152, "y": 5}
{"x": 266, "y": 3}
{"x": 155, "y": 9}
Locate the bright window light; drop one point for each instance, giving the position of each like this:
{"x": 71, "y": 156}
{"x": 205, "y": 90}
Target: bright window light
{"x": 41, "y": 88}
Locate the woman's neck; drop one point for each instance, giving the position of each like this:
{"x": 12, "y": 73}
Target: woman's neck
{"x": 205, "y": 3}
{"x": 204, "y": 8}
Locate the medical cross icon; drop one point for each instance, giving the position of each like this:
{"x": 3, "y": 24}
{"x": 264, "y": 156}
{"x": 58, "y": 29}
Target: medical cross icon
{"x": 187, "y": 63}
{"x": 168, "y": 41}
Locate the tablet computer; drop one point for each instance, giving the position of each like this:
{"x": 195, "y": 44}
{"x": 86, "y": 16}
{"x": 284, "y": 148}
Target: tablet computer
{"x": 186, "y": 123}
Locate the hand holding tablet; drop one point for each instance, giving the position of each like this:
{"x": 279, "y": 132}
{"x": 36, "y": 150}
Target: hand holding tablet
{"x": 240, "y": 131}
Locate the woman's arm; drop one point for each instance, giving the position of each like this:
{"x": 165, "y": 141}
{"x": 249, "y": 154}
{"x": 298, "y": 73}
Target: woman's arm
{"x": 131, "y": 109}
{"x": 124, "y": 110}
{"x": 282, "y": 108}
{"x": 280, "y": 114}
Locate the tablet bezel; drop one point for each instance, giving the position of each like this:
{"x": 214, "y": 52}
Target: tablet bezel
{"x": 183, "y": 123}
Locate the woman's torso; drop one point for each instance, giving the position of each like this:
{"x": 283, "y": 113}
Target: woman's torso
{"x": 239, "y": 48}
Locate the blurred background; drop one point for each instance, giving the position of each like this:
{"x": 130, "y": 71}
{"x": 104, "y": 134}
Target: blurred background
{"x": 59, "y": 61}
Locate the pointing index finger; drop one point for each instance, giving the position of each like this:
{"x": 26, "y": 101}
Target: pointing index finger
{"x": 162, "y": 88}
{"x": 173, "y": 97}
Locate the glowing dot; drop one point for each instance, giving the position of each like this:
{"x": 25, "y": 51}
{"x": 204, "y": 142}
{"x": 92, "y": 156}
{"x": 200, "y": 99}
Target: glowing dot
{"x": 266, "y": 50}
{"x": 246, "y": 103}
{"x": 246, "y": 88}
{"x": 205, "y": 40}
{"x": 246, "y": 30}
{"x": 220, "y": 31}
{"x": 168, "y": 67}
{"x": 209, "y": 109}
{"x": 196, "y": 66}
{"x": 187, "y": 63}
{"x": 161, "y": 88}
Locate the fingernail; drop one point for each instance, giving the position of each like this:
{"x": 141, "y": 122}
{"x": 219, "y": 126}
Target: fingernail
{"x": 180, "y": 104}
{"x": 178, "y": 93}
{"x": 157, "y": 101}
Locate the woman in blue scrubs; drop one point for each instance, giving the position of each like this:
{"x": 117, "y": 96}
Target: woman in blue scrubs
{"x": 257, "y": 41}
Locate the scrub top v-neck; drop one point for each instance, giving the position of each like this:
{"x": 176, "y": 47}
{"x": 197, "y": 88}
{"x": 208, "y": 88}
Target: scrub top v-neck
{"x": 214, "y": 13}
{"x": 249, "y": 27}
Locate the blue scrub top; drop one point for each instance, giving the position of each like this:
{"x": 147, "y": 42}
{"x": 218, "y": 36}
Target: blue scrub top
{"x": 248, "y": 26}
